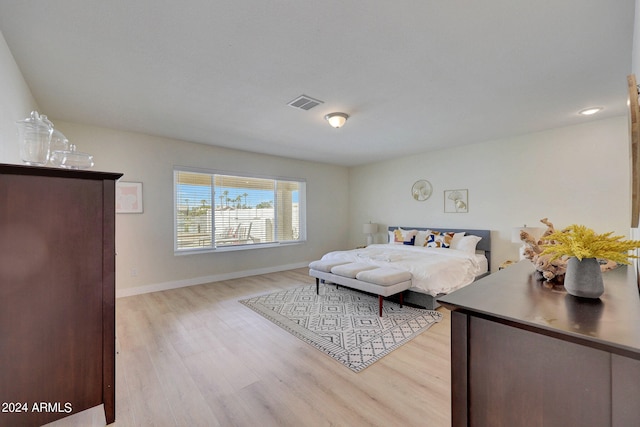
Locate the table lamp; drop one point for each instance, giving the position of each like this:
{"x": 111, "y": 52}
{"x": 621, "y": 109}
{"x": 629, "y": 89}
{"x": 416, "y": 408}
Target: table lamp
{"x": 369, "y": 229}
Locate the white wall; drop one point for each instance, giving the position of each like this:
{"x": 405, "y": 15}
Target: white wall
{"x": 16, "y": 103}
{"x": 144, "y": 242}
{"x": 578, "y": 174}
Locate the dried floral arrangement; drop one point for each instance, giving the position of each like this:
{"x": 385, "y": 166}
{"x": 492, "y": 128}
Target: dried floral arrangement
{"x": 582, "y": 242}
{"x": 550, "y": 253}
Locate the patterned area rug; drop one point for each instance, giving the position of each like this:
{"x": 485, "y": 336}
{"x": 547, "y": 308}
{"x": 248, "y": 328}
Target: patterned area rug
{"x": 344, "y": 323}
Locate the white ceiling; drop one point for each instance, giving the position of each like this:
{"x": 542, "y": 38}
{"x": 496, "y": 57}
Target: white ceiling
{"x": 413, "y": 75}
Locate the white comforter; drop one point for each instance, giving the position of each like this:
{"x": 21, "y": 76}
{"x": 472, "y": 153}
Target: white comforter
{"x": 435, "y": 270}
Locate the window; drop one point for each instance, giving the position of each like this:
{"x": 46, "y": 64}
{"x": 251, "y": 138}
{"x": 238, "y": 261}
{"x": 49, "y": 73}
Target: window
{"x": 220, "y": 210}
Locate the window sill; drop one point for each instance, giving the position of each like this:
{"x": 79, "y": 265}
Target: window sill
{"x": 234, "y": 248}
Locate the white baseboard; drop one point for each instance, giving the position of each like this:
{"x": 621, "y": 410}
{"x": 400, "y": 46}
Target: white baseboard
{"x": 155, "y": 287}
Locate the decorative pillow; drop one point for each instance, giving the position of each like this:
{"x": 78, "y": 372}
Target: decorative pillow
{"x": 468, "y": 244}
{"x": 400, "y": 236}
{"x": 438, "y": 239}
{"x": 421, "y": 238}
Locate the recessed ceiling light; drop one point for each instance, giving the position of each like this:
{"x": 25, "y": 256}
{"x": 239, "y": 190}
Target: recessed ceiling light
{"x": 589, "y": 111}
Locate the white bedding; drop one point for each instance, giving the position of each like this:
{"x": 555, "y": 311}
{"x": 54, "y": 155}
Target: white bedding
{"x": 435, "y": 270}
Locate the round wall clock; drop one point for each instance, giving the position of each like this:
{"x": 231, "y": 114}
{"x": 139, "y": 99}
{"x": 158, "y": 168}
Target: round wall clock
{"x": 421, "y": 190}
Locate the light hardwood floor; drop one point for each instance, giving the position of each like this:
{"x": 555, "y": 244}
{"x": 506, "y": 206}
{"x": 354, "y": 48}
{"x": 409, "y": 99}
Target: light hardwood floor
{"x": 196, "y": 357}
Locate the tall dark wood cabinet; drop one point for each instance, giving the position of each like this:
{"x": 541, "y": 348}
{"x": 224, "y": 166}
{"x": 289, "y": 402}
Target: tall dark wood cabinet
{"x": 526, "y": 355}
{"x": 57, "y": 293}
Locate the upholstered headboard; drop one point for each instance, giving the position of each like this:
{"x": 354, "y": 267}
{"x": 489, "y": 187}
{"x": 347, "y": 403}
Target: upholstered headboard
{"x": 483, "y": 245}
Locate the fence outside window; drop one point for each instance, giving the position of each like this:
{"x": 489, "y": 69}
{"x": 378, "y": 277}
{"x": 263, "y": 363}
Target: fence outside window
{"x": 218, "y": 210}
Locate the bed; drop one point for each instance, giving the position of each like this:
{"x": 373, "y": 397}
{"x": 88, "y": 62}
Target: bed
{"x": 453, "y": 259}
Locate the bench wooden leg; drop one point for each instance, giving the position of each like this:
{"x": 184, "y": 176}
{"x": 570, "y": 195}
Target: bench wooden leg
{"x": 380, "y": 299}
{"x": 401, "y": 298}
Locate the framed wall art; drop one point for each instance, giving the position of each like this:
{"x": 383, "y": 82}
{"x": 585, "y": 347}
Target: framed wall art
{"x": 456, "y": 201}
{"x": 129, "y": 197}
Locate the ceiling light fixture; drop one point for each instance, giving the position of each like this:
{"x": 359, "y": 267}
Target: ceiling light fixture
{"x": 589, "y": 111}
{"x": 336, "y": 120}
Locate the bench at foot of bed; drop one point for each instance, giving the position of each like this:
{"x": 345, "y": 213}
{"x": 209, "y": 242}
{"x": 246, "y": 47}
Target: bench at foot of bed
{"x": 382, "y": 281}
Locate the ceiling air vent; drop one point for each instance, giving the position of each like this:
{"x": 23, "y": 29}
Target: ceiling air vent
{"x": 304, "y": 102}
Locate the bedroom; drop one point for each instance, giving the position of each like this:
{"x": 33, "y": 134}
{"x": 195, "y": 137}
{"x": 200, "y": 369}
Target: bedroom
{"x": 570, "y": 174}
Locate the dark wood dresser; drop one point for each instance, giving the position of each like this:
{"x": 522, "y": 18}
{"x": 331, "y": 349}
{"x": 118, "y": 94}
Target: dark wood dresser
{"x": 57, "y": 293}
{"x": 525, "y": 355}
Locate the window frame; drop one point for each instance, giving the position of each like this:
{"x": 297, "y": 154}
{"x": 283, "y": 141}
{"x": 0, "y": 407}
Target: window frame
{"x": 302, "y": 232}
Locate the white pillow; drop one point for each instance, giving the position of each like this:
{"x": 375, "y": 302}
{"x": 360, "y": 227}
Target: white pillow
{"x": 456, "y": 239}
{"x": 467, "y": 244}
